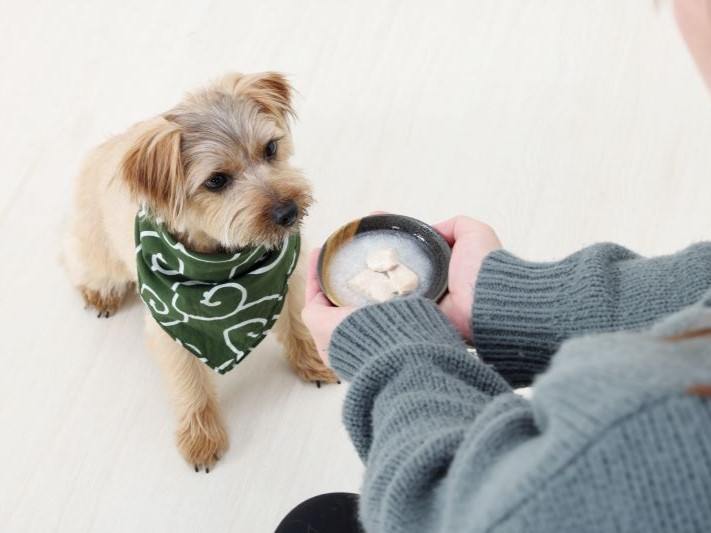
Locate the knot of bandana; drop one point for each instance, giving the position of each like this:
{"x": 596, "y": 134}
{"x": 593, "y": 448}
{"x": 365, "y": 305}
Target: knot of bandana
{"x": 217, "y": 306}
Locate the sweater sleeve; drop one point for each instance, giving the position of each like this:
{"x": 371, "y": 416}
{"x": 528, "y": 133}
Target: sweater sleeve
{"x": 523, "y": 311}
{"x": 449, "y": 447}
{"x": 415, "y": 391}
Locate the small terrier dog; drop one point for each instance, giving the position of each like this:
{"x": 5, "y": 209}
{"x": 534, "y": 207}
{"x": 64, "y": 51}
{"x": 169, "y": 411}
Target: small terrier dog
{"x": 215, "y": 171}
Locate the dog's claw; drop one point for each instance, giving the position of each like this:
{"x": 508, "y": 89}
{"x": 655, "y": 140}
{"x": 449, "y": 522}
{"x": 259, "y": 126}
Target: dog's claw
{"x": 200, "y": 467}
{"x": 318, "y": 383}
{"x": 339, "y": 381}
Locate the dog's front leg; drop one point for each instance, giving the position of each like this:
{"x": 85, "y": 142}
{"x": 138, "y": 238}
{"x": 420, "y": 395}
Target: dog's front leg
{"x": 201, "y": 435}
{"x": 292, "y": 333}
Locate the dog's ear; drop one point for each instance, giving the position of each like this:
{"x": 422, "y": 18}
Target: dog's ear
{"x": 152, "y": 167}
{"x": 269, "y": 90}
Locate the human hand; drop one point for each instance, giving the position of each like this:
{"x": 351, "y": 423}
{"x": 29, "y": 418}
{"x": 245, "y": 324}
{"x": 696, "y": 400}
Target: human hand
{"x": 471, "y": 242}
{"x": 319, "y": 315}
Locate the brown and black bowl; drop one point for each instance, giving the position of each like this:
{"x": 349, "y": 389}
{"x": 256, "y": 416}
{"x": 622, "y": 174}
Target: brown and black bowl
{"x": 430, "y": 242}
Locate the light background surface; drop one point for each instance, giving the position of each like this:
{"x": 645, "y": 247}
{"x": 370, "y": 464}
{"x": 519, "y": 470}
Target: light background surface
{"x": 560, "y": 123}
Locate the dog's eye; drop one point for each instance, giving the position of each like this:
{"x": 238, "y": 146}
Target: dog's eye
{"x": 270, "y": 150}
{"x": 217, "y": 181}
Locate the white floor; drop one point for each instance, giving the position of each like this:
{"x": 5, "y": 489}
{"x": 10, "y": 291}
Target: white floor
{"x": 560, "y": 123}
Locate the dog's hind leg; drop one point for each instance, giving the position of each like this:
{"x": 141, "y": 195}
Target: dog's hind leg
{"x": 90, "y": 255}
{"x": 102, "y": 279}
{"x": 201, "y": 436}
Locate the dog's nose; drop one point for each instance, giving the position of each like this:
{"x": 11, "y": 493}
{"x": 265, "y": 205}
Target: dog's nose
{"x": 285, "y": 214}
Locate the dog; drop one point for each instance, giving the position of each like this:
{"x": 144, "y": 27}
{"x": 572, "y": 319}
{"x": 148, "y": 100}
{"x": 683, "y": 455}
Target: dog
{"x": 212, "y": 178}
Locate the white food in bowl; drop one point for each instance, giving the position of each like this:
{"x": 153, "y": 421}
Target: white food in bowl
{"x": 352, "y": 258}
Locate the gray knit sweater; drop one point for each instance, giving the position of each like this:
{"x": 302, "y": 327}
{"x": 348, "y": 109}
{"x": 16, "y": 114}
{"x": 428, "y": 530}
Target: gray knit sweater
{"x": 617, "y": 433}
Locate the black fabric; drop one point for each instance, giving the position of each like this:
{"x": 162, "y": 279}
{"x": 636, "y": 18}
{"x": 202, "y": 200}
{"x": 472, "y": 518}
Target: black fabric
{"x": 335, "y": 512}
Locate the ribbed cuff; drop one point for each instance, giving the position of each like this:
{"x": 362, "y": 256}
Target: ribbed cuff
{"x": 512, "y": 318}
{"x": 373, "y": 330}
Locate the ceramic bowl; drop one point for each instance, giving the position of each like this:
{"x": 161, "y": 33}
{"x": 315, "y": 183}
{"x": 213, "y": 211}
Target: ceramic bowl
{"x": 430, "y": 242}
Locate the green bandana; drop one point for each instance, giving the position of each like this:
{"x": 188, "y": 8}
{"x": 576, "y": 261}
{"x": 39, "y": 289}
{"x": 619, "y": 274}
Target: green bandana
{"x": 217, "y": 306}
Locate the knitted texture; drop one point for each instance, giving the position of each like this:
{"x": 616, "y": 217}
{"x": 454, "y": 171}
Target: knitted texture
{"x": 523, "y": 311}
{"x": 613, "y": 438}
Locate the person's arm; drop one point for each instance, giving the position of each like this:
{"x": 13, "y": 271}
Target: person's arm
{"x": 523, "y": 311}
{"x": 415, "y": 395}
{"x": 516, "y": 313}
{"x": 606, "y": 443}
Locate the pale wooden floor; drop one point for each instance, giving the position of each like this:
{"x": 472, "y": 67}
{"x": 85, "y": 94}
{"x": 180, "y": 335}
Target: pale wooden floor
{"x": 560, "y": 123}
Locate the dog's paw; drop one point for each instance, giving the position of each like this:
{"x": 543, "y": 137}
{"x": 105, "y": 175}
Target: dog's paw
{"x": 317, "y": 375}
{"x": 202, "y": 438}
{"x": 105, "y": 304}
{"x": 306, "y": 362}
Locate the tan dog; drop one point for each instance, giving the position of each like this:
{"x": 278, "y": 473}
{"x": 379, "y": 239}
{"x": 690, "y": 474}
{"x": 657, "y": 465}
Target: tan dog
{"x": 216, "y": 169}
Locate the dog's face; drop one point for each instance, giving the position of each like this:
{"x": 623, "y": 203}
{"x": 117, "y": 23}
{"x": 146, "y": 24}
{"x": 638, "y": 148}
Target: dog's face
{"x": 216, "y": 167}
